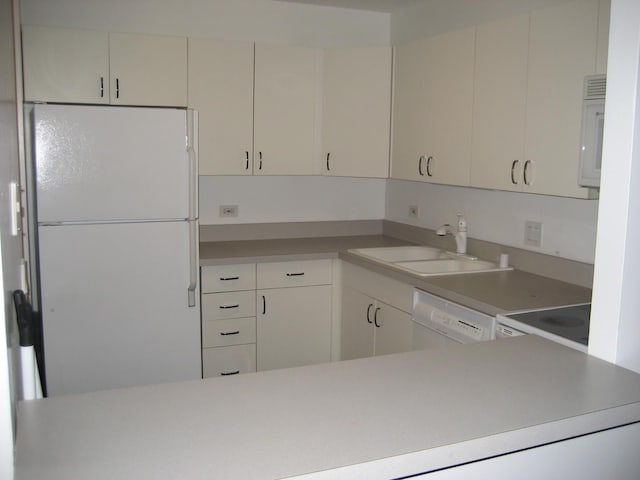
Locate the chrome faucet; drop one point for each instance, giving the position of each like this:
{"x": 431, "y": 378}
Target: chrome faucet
{"x": 460, "y": 235}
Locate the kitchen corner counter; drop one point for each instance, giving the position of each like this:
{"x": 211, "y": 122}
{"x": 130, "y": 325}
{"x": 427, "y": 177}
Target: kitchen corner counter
{"x": 285, "y": 249}
{"x": 378, "y": 417}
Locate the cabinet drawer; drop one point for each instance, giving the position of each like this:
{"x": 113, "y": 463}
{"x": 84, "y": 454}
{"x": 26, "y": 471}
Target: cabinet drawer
{"x": 232, "y": 331}
{"x": 228, "y": 278}
{"x": 223, "y": 361}
{"x": 294, "y": 274}
{"x": 216, "y": 306}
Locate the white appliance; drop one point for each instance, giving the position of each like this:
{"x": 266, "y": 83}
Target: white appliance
{"x": 567, "y": 325}
{"x": 595, "y": 87}
{"x": 440, "y": 323}
{"x": 116, "y": 198}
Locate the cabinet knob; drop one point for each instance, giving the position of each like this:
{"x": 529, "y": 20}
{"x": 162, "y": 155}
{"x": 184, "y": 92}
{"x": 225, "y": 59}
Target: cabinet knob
{"x": 421, "y": 159}
{"x": 429, "y": 160}
{"x": 525, "y": 175}
{"x": 375, "y": 318}
{"x": 328, "y": 166}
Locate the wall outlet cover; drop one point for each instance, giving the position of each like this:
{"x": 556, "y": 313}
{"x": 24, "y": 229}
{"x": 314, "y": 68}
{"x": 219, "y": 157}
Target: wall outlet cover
{"x": 228, "y": 210}
{"x": 414, "y": 211}
{"x": 533, "y": 233}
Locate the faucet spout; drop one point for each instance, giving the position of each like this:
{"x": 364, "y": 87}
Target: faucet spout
{"x": 460, "y": 235}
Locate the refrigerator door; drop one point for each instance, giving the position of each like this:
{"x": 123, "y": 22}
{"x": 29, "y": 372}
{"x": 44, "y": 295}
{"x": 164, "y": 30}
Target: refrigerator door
{"x": 97, "y": 163}
{"x": 115, "y": 306}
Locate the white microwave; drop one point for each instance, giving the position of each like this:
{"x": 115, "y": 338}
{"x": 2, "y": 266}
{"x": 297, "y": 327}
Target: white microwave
{"x": 595, "y": 87}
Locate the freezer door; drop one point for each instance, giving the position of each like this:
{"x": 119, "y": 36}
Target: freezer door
{"x": 115, "y": 306}
{"x": 99, "y": 163}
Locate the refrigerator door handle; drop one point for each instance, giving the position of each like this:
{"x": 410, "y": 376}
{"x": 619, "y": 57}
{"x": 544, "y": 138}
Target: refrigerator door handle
{"x": 192, "y": 143}
{"x": 193, "y": 262}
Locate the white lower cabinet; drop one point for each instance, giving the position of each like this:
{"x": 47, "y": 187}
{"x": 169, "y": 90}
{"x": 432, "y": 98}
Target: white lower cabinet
{"x": 294, "y": 326}
{"x": 376, "y": 318}
{"x": 228, "y": 320}
{"x": 286, "y": 322}
{"x": 294, "y": 313}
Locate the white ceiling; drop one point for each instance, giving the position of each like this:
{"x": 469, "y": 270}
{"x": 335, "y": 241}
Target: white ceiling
{"x": 373, "y": 5}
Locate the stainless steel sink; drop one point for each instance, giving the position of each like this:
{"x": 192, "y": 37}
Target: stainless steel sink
{"x": 427, "y": 261}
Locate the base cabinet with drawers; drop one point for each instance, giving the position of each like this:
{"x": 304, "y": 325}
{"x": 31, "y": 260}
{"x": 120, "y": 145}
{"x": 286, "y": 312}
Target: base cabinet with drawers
{"x": 376, "y": 318}
{"x": 228, "y": 319}
{"x": 265, "y": 316}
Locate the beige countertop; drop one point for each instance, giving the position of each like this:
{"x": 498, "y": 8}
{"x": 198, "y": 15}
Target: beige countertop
{"x": 490, "y": 293}
{"x": 391, "y": 415}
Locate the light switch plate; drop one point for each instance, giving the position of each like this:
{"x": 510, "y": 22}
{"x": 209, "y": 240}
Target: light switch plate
{"x": 533, "y": 233}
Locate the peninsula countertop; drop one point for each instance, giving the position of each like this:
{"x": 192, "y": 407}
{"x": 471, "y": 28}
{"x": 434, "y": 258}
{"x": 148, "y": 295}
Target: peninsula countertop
{"x": 490, "y": 293}
{"x": 401, "y": 414}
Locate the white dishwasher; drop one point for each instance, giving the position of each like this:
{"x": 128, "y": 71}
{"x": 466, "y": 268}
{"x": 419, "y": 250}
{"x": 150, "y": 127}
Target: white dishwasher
{"x": 438, "y": 323}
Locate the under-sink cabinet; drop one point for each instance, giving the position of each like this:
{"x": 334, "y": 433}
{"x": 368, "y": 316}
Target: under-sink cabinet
{"x": 265, "y": 316}
{"x": 376, "y": 314}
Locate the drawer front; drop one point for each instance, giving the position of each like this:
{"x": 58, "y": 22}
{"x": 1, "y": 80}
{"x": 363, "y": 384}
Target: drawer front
{"x": 233, "y": 331}
{"x": 216, "y": 306}
{"x": 294, "y": 274}
{"x": 223, "y": 361}
{"x": 228, "y": 278}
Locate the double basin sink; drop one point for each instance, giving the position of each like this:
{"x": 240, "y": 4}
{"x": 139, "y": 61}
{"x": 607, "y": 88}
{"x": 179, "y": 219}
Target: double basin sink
{"x": 427, "y": 261}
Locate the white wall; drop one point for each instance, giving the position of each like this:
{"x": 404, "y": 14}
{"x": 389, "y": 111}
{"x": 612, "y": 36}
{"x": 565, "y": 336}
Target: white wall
{"x": 569, "y": 225}
{"x": 291, "y": 199}
{"x": 615, "y": 314}
{"x": 432, "y": 17}
{"x": 255, "y": 20}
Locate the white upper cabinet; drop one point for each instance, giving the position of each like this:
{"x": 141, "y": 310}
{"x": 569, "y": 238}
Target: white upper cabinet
{"x": 65, "y": 65}
{"x": 85, "y": 66}
{"x": 148, "y": 69}
{"x": 562, "y": 51}
{"x": 287, "y": 85}
{"x": 221, "y": 89}
{"x": 528, "y": 97}
{"x": 356, "y": 111}
{"x": 499, "y": 107}
{"x": 433, "y": 97}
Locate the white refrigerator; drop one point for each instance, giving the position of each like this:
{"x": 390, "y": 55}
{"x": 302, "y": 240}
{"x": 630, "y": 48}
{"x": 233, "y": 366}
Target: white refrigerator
{"x": 117, "y": 233}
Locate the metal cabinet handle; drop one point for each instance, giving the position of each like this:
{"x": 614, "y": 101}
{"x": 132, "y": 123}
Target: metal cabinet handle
{"x": 224, "y": 307}
{"x": 246, "y": 156}
{"x": 260, "y": 163}
{"x": 224, "y": 334}
{"x": 420, "y": 160}
{"x": 264, "y": 305}
{"x": 101, "y": 87}
{"x": 429, "y": 174}
{"x": 369, "y": 312}
{"x": 224, "y": 374}
{"x": 514, "y": 180}
{"x": 328, "y": 166}
{"x": 299, "y": 274}
{"x": 226, "y": 279}
{"x": 375, "y": 317}
{"x": 117, "y": 88}
{"x": 527, "y": 180}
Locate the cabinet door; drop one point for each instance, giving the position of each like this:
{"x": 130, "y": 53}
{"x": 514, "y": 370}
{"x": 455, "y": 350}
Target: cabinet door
{"x": 357, "y": 324}
{"x": 356, "y": 111}
{"x": 286, "y": 93}
{"x": 562, "y": 52}
{"x": 499, "y": 109}
{"x": 293, "y": 326}
{"x": 394, "y": 330}
{"x": 433, "y": 115}
{"x": 148, "y": 70}
{"x": 221, "y": 89}
{"x": 410, "y": 98}
{"x": 65, "y": 65}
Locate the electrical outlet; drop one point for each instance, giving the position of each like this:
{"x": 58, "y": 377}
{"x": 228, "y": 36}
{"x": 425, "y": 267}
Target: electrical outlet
{"x": 228, "y": 210}
{"x": 533, "y": 233}
{"x": 414, "y": 211}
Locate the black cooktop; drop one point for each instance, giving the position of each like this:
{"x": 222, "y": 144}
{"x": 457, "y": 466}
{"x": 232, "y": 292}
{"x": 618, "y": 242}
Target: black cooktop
{"x": 570, "y": 322}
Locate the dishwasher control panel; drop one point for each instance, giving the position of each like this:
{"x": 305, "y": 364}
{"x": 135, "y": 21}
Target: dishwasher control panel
{"x": 451, "y": 320}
